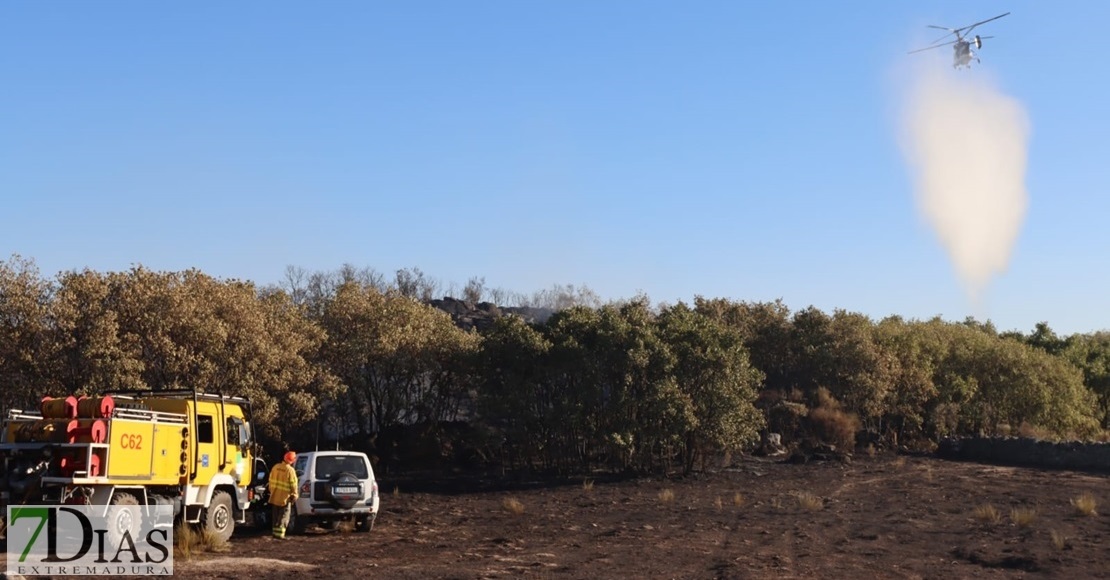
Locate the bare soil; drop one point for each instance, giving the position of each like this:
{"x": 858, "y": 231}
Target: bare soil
{"x": 884, "y": 517}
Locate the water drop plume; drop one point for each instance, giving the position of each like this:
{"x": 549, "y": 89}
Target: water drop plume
{"x": 967, "y": 145}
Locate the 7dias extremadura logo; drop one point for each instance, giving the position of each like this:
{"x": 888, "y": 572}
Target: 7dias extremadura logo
{"x": 90, "y": 540}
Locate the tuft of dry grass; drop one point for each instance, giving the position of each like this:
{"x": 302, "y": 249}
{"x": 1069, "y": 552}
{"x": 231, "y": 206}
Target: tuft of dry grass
{"x": 717, "y": 503}
{"x": 189, "y": 539}
{"x": 184, "y": 540}
{"x": 396, "y": 491}
{"x": 987, "y": 514}
{"x": 513, "y": 505}
{"x": 587, "y": 484}
{"x": 871, "y": 451}
{"x": 1059, "y": 541}
{"x": 900, "y": 461}
{"x": 1085, "y": 504}
{"x": 810, "y": 502}
{"x": 739, "y": 500}
{"x": 1023, "y": 517}
{"x": 666, "y": 495}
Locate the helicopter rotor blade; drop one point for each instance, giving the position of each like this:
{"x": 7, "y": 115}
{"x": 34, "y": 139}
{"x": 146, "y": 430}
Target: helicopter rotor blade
{"x": 969, "y": 27}
{"x": 931, "y": 47}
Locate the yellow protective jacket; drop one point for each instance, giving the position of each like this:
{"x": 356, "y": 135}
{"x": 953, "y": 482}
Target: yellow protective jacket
{"x": 283, "y": 484}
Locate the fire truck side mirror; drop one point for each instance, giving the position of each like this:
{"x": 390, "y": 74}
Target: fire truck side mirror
{"x": 259, "y": 470}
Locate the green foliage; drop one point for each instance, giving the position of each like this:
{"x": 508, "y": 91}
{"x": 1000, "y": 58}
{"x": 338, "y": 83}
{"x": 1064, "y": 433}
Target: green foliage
{"x": 621, "y": 385}
{"x": 714, "y": 374}
{"x": 1090, "y": 353}
{"x": 614, "y": 372}
{"x": 765, "y": 330}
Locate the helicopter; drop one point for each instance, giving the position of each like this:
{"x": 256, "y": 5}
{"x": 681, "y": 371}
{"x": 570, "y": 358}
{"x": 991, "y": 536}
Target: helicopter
{"x": 962, "y": 45}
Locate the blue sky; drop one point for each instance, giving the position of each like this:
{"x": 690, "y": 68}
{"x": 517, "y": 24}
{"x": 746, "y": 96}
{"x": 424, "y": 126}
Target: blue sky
{"x": 734, "y": 149}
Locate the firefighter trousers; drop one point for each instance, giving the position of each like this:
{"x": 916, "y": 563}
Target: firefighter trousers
{"x": 280, "y": 515}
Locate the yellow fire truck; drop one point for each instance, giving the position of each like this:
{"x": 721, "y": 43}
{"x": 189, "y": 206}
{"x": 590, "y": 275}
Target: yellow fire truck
{"x": 183, "y": 448}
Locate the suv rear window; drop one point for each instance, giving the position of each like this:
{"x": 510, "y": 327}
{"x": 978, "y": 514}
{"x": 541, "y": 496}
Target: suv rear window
{"x": 329, "y": 466}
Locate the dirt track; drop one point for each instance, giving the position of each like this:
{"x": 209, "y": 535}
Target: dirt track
{"x": 875, "y": 518}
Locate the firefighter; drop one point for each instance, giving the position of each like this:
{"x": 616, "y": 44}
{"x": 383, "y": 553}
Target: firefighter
{"x": 283, "y": 492}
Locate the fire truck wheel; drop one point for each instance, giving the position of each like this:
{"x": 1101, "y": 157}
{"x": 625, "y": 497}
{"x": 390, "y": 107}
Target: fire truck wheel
{"x": 123, "y": 517}
{"x": 218, "y": 519}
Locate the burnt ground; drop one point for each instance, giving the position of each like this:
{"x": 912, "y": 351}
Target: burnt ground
{"x": 884, "y": 517}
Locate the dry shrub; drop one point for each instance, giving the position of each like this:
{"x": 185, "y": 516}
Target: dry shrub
{"x": 513, "y": 505}
{"x": 810, "y": 502}
{"x": 987, "y": 514}
{"x": 1023, "y": 517}
{"x": 1035, "y": 432}
{"x": 738, "y": 499}
{"x": 830, "y": 424}
{"x": 1085, "y": 504}
{"x": 1059, "y": 541}
{"x": 667, "y": 495}
{"x": 587, "y": 484}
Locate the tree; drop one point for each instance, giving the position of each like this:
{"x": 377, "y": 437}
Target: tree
{"x": 863, "y": 369}
{"x": 24, "y": 305}
{"x": 564, "y": 296}
{"x": 413, "y": 283}
{"x": 1045, "y": 339}
{"x": 401, "y": 359}
{"x": 187, "y": 330}
{"x": 766, "y": 331}
{"x": 717, "y": 380}
{"x": 912, "y": 391}
{"x": 475, "y": 289}
{"x": 90, "y": 357}
{"x": 1090, "y": 353}
{"x": 516, "y": 396}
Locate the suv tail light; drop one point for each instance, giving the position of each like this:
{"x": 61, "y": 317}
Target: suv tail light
{"x": 306, "y": 488}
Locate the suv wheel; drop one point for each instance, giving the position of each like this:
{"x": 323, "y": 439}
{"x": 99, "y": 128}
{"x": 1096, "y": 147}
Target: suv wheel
{"x": 297, "y": 523}
{"x": 364, "y": 523}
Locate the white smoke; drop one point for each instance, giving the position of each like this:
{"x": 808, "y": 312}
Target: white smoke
{"x": 967, "y": 144}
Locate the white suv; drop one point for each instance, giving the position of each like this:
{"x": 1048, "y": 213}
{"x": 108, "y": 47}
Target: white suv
{"x": 335, "y": 486}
